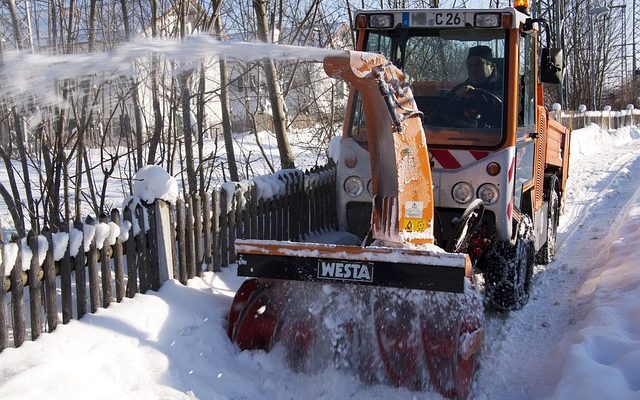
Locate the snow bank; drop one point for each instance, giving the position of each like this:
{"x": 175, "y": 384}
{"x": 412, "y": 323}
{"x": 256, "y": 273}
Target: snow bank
{"x": 603, "y": 349}
{"x": 593, "y": 139}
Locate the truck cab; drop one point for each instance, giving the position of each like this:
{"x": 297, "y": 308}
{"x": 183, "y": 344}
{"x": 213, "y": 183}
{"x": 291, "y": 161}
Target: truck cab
{"x": 493, "y": 142}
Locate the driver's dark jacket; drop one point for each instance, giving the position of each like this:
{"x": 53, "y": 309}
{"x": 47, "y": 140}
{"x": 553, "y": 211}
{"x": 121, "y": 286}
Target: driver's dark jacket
{"x": 489, "y": 109}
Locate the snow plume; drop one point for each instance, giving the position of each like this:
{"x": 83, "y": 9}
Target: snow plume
{"x": 36, "y": 76}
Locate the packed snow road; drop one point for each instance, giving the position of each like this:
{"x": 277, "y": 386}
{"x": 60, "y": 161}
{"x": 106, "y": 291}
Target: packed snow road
{"x": 577, "y": 338}
{"x": 522, "y": 358}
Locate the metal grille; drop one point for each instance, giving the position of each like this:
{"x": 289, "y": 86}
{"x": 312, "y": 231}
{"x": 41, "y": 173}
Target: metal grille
{"x": 540, "y": 157}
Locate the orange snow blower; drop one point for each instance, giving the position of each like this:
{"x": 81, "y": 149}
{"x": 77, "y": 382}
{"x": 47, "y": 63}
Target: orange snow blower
{"x": 399, "y": 310}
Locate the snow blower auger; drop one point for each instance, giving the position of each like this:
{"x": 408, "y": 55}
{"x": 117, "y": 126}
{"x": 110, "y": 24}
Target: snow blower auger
{"x": 400, "y": 311}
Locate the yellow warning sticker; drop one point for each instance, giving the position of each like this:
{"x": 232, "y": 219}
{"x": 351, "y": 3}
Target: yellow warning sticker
{"x": 415, "y": 225}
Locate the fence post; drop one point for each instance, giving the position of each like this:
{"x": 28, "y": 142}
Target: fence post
{"x": 105, "y": 265}
{"x": 163, "y": 240}
{"x": 17, "y": 300}
{"x": 206, "y": 230}
{"x": 216, "y": 242}
{"x": 65, "y": 275}
{"x": 50, "y": 284}
{"x": 35, "y": 287}
{"x": 130, "y": 246}
{"x": 92, "y": 255}
{"x": 197, "y": 233}
{"x": 190, "y": 242}
{"x": 81, "y": 277}
{"x": 181, "y": 239}
{"x": 4, "y": 321}
{"x": 142, "y": 251}
{"x": 118, "y": 259}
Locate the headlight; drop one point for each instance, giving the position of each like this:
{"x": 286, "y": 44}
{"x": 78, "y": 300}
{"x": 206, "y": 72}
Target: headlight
{"x": 487, "y": 20}
{"x": 462, "y": 192}
{"x": 489, "y": 193}
{"x": 381, "y": 21}
{"x": 353, "y": 186}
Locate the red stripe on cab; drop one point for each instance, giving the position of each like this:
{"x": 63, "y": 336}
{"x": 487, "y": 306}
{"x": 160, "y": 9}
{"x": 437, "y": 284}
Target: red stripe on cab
{"x": 445, "y": 158}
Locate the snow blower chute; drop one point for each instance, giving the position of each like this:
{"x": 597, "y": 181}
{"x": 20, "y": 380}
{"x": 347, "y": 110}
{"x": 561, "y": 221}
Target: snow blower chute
{"x": 400, "y": 310}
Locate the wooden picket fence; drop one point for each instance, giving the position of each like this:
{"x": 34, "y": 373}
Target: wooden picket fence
{"x": 604, "y": 119}
{"x": 195, "y": 235}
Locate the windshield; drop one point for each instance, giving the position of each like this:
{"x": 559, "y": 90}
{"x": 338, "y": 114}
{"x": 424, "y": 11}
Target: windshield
{"x": 457, "y": 81}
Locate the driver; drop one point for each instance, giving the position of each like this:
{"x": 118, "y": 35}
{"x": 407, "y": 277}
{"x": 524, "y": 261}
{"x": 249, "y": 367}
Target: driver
{"x": 477, "y": 100}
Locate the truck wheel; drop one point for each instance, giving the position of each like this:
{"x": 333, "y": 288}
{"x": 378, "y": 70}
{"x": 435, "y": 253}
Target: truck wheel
{"x": 547, "y": 252}
{"x": 508, "y": 270}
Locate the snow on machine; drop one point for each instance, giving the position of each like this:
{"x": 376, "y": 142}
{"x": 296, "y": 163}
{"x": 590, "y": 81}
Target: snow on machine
{"x": 439, "y": 178}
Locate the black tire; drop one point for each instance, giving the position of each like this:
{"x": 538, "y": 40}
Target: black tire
{"x": 508, "y": 270}
{"x": 547, "y": 252}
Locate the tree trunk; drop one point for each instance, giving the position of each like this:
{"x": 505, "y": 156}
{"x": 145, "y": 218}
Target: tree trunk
{"x": 188, "y": 134}
{"x": 15, "y": 22}
{"x": 226, "y": 118}
{"x": 158, "y": 122}
{"x": 275, "y": 94}
{"x": 92, "y": 25}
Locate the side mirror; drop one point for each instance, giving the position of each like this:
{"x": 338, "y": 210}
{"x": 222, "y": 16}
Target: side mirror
{"x": 551, "y": 65}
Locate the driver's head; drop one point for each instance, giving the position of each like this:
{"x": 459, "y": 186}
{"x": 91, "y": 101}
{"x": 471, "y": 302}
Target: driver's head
{"x": 479, "y": 64}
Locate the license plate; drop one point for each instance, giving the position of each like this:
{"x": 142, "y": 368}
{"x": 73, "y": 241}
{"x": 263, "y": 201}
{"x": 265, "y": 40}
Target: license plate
{"x": 446, "y": 19}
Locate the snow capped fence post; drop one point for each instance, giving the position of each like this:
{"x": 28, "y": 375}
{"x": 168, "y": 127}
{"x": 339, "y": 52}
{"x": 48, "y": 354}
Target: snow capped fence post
{"x": 105, "y": 264}
{"x": 17, "y": 297}
{"x": 141, "y": 245}
{"x": 182, "y": 257}
{"x": 231, "y": 213}
{"x": 286, "y": 208}
{"x": 215, "y": 228}
{"x": 206, "y": 230}
{"x": 117, "y": 258}
{"x": 92, "y": 255}
{"x": 189, "y": 243}
{"x": 246, "y": 213}
{"x": 153, "y": 280}
{"x": 65, "y": 277}
{"x": 253, "y": 210}
{"x": 35, "y": 287}
{"x": 224, "y": 228}
{"x": 81, "y": 288}
{"x": 163, "y": 241}
{"x": 130, "y": 246}
{"x": 50, "y": 284}
{"x": 630, "y": 108}
{"x": 197, "y": 237}
{"x": 236, "y": 230}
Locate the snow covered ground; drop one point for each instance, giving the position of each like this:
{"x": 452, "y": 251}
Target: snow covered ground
{"x": 578, "y": 338}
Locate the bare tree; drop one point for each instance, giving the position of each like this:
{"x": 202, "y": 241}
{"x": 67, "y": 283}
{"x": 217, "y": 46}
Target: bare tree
{"x": 275, "y": 92}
